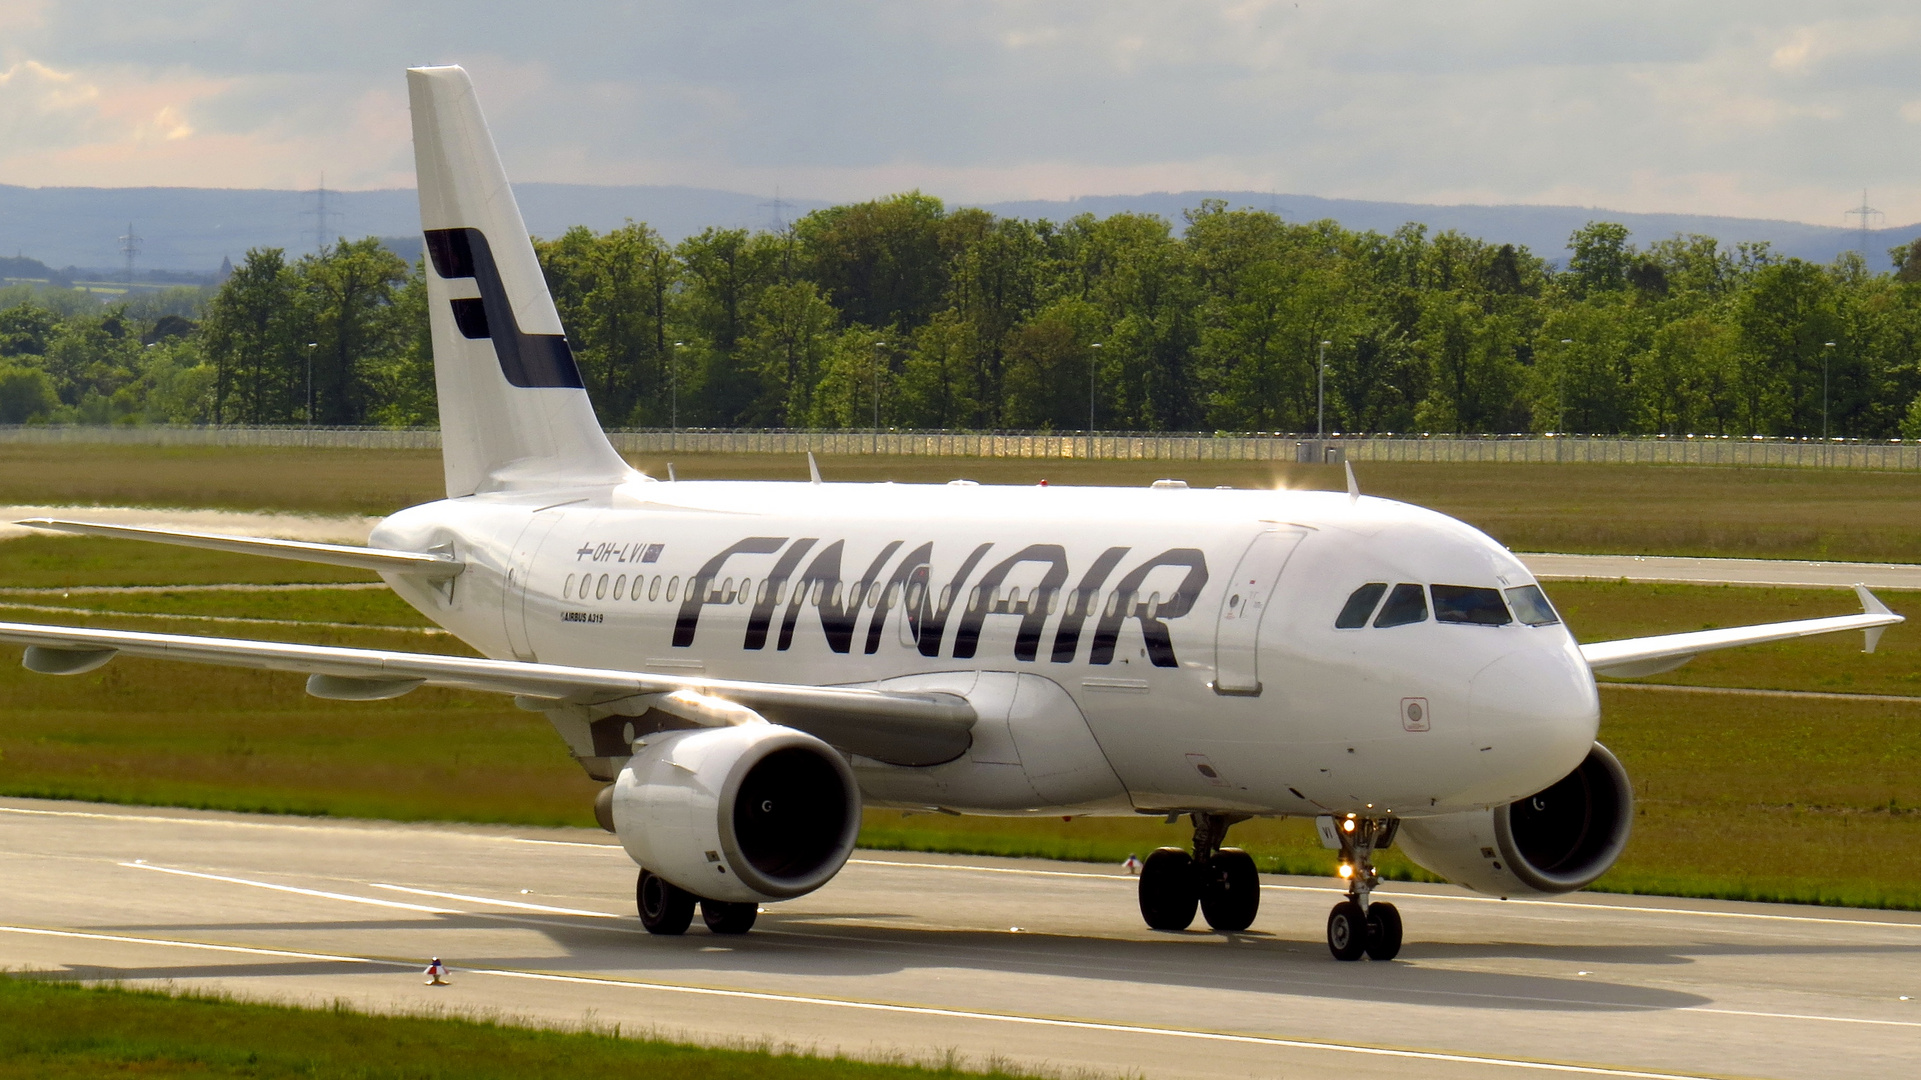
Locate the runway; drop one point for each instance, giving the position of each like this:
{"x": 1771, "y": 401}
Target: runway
{"x": 1039, "y": 963}
{"x": 1690, "y": 571}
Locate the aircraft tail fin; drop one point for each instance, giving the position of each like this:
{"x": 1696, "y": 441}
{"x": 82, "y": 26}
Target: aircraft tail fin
{"x": 513, "y": 410}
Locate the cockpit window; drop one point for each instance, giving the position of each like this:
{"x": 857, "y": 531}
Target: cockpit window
{"x": 1531, "y": 606}
{"x": 1406, "y": 604}
{"x": 1360, "y": 605}
{"x": 1470, "y": 604}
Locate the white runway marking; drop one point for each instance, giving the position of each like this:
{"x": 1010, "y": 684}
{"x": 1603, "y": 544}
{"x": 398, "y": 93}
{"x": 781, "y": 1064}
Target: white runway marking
{"x": 614, "y": 848}
{"x": 244, "y": 950}
{"x": 498, "y": 903}
{"x": 907, "y": 963}
{"x": 1816, "y": 695}
{"x": 971, "y": 868}
{"x": 890, "y": 1007}
{"x": 319, "y": 528}
{"x": 321, "y": 894}
{"x": 1385, "y": 894}
{"x": 224, "y": 587}
{"x": 54, "y": 609}
{"x": 291, "y": 889}
{"x": 1688, "y": 570}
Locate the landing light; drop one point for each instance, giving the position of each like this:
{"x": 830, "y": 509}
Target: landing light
{"x": 1347, "y": 871}
{"x": 1348, "y": 825}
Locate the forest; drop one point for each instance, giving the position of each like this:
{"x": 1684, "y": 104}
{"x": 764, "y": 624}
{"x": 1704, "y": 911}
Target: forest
{"x": 905, "y": 313}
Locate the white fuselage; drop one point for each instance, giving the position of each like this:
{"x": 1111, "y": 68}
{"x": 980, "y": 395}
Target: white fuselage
{"x": 1128, "y": 650}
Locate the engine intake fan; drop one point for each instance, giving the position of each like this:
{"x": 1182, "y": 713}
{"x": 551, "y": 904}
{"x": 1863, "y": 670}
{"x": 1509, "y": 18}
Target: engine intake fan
{"x": 744, "y": 813}
{"x": 1555, "y": 841}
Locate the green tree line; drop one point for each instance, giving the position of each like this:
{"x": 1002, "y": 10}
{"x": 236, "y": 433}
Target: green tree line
{"x": 903, "y": 311}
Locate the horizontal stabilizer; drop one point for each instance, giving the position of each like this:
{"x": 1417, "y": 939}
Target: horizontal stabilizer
{"x": 903, "y": 728}
{"x": 433, "y": 567}
{"x": 1632, "y": 658}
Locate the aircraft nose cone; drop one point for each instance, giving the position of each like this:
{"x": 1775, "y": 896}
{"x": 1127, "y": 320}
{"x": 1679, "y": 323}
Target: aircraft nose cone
{"x": 1534, "y": 714}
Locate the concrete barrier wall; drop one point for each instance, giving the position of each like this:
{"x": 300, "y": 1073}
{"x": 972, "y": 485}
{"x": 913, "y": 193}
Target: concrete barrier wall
{"x": 1838, "y": 454}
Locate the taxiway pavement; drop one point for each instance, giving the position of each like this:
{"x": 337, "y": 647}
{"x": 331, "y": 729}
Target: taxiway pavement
{"x": 1680, "y": 570}
{"x": 1036, "y": 962}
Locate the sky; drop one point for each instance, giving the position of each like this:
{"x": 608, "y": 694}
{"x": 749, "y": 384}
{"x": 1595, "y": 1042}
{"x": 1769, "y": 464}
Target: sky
{"x": 1741, "y": 107}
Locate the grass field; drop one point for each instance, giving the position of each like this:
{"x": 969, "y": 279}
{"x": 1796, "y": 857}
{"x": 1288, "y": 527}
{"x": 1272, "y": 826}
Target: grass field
{"x": 55, "y": 1031}
{"x": 1625, "y": 509}
{"x": 1614, "y": 509}
{"x": 303, "y": 481}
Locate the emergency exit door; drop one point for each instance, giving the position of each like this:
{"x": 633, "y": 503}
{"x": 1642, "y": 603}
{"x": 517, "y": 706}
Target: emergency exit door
{"x": 1237, "y": 632}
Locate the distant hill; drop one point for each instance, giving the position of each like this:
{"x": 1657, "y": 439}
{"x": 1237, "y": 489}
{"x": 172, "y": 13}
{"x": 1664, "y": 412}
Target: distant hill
{"x": 18, "y": 268}
{"x": 1543, "y": 229}
{"x": 192, "y": 229}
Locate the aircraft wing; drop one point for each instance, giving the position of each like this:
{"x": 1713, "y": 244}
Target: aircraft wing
{"x": 921, "y": 728}
{"x": 1634, "y": 657}
{"x": 363, "y": 558}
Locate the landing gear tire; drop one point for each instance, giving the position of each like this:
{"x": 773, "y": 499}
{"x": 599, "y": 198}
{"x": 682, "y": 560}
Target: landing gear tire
{"x": 1383, "y": 931}
{"x": 727, "y": 917}
{"x": 1347, "y": 931}
{"x": 665, "y": 908}
{"x": 1231, "y": 896}
{"x": 1168, "y": 893}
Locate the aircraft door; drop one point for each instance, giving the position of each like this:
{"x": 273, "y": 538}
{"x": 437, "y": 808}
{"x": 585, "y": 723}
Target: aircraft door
{"x": 1243, "y": 603}
{"x": 520, "y": 567}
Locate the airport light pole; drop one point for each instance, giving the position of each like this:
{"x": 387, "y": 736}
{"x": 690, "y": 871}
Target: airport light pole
{"x": 1093, "y": 368}
{"x": 310, "y": 349}
{"x": 1564, "y": 365}
{"x": 673, "y": 396}
{"x": 1320, "y": 398}
{"x": 1561, "y": 443}
{"x": 878, "y": 346}
{"x": 1827, "y": 350}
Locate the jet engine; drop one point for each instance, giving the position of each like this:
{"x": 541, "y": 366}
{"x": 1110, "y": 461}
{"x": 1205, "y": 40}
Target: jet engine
{"x": 1555, "y": 841}
{"x": 744, "y": 813}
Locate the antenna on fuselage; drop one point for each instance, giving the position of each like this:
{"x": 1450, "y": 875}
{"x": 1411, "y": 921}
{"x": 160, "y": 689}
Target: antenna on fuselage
{"x": 1353, "y": 485}
{"x": 813, "y": 468}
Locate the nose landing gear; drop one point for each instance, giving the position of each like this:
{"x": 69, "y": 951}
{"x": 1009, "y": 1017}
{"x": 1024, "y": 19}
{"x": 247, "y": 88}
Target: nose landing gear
{"x": 1357, "y": 925}
{"x": 1220, "y": 881}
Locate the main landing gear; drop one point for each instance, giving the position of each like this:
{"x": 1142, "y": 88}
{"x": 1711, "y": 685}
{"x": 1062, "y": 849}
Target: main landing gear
{"x": 666, "y": 908}
{"x": 1220, "y": 881}
{"x": 1356, "y": 925}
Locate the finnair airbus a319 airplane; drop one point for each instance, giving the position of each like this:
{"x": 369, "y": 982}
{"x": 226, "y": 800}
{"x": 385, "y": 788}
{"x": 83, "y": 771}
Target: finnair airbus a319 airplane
{"x": 747, "y": 665}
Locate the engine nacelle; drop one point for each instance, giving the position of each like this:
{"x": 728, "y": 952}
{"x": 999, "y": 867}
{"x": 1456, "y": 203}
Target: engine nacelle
{"x": 746, "y": 813}
{"x": 1556, "y": 841}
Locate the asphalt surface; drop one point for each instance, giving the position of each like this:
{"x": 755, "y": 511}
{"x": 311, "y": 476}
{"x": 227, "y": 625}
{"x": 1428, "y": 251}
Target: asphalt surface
{"x": 1672, "y": 568}
{"x": 1037, "y": 963}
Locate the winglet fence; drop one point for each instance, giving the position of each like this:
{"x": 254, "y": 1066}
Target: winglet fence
{"x": 1106, "y": 446}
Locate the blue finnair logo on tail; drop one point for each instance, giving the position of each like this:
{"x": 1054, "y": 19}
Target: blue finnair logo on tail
{"x": 527, "y": 360}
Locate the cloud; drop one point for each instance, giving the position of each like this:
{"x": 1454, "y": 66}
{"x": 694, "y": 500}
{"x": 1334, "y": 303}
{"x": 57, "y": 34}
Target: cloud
{"x": 46, "y": 108}
{"x": 1723, "y": 106}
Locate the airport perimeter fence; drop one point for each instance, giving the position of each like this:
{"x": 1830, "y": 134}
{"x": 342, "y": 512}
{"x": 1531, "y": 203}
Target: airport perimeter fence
{"x": 1105, "y": 446}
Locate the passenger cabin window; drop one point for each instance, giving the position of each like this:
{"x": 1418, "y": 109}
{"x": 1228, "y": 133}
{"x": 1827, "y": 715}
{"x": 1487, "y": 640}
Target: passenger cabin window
{"x": 1470, "y": 604}
{"x": 1406, "y": 604}
{"x": 1531, "y": 606}
{"x": 1360, "y": 605}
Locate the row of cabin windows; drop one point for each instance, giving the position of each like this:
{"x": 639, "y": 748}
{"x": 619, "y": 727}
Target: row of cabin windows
{"x": 1469, "y": 604}
{"x": 607, "y": 586}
